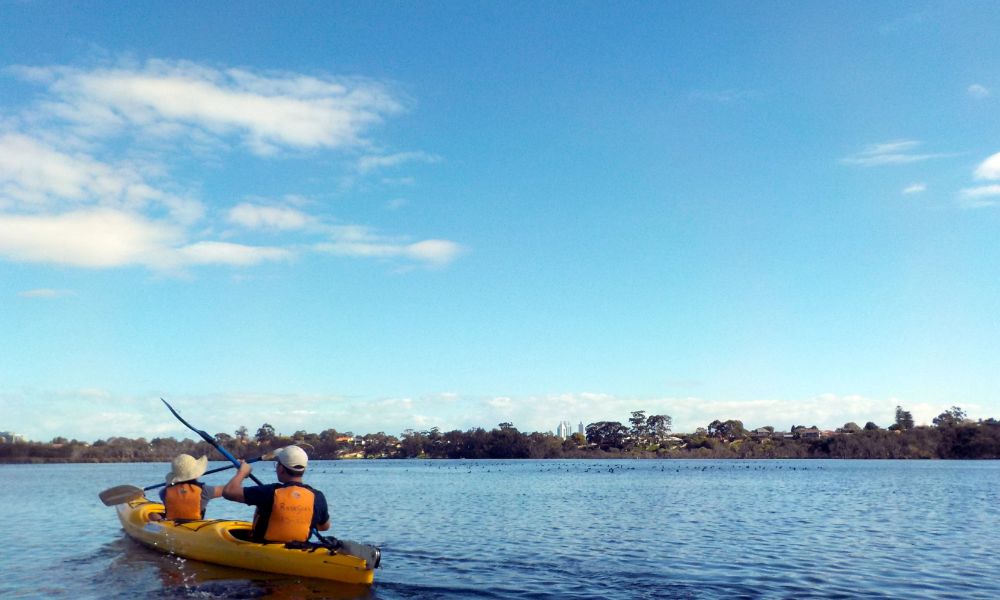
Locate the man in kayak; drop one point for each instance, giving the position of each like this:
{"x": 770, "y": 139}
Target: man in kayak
{"x": 186, "y": 498}
{"x": 287, "y": 511}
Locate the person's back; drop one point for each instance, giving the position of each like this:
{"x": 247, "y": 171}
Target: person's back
{"x": 287, "y": 511}
{"x": 186, "y": 498}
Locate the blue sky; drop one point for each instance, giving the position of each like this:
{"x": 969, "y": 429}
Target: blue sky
{"x": 377, "y": 216}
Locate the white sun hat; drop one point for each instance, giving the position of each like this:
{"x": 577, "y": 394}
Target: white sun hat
{"x": 293, "y": 458}
{"x": 186, "y": 468}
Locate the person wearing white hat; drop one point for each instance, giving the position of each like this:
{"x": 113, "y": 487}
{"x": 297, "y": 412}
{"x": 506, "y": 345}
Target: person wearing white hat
{"x": 287, "y": 511}
{"x": 186, "y": 498}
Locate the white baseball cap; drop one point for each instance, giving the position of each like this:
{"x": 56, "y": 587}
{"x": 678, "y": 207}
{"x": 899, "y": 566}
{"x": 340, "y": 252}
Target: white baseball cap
{"x": 293, "y": 458}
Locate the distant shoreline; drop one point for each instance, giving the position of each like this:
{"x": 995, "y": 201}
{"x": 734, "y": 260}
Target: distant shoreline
{"x": 952, "y": 437}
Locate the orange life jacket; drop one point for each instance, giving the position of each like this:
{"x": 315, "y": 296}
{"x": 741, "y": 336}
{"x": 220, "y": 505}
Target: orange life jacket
{"x": 183, "y": 501}
{"x": 291, "y": 514}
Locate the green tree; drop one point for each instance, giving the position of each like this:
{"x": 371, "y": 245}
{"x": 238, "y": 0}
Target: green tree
{"x": 507, "y": 442}
{"x": 476, "y": 443}
{"x": 951, "y": 417}
{"x": 265, "y": 433}
{"x": 638, "y": 431}
{"x": 904, "y": 420}
{"x": 730, "y": 429}
{"x": 607, "y": 434}
{"x": 225, "y": 440}
{"x": 412, "y": 443}
{"x": 658, "y": 427}
{"x": 242, "y": 434}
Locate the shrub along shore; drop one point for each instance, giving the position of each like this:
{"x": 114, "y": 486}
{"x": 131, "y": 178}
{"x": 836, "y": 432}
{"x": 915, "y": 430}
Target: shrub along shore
{"x": 952, "y": 436}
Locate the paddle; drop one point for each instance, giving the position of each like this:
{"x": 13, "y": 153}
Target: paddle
{"x": 125, "y": 493}
{"x": 210, "y": 440}
{"x": 371, "y": 554}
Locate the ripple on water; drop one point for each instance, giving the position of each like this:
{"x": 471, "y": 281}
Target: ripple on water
{"x": 562, "y": 529}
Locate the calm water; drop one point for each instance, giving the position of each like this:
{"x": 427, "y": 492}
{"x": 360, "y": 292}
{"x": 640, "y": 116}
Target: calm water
{"x": 552, "y": 529}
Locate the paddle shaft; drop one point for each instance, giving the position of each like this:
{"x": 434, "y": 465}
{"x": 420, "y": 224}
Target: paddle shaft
{"x": 209, "y": 472}
{"x": 224, "y": 452}
{"x": 210, "y": 440}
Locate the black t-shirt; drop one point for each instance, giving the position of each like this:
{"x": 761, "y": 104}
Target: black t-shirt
{"x": 262, "y": 496}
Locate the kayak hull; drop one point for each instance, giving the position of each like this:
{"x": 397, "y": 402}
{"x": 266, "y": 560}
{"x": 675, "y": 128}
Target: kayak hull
{"x": 219, "y": 542}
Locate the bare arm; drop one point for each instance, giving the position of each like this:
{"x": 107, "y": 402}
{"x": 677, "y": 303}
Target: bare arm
{"x": 234, "y": 488}
{"x": 324, "y": 526}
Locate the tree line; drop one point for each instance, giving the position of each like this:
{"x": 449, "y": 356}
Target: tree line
{"x": 951, "y": 436}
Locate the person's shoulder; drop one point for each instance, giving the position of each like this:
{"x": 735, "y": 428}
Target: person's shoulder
{"x": 263, "y": 488}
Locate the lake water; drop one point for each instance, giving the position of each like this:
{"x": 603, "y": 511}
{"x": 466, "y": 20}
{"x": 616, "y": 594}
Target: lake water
{"x": 551, "y": 529}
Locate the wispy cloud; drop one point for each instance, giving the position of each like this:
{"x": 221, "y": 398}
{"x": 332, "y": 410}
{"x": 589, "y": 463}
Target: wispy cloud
{"x": 978, "y": 91}
{"x": 367, "y": 164}
{"x": 226, "y": 253}
{"x": 36, "y": 176}
{"x": 68, "y": 197}
{"x": 915, "y": 188}
{"x": 170, "y": 98}
{"x": 363, "y": 242}
{"x": 980, "y": 197}
{"x": 253, "y": 216}
{"x": 45, "y": 293}
{"x": 890, "y": 153}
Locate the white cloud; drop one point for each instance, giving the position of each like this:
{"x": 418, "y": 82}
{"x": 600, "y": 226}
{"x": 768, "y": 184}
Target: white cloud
{"x": 34, "y": 175}
{"x": 435, "y": 252}
{"x": 981, "y": 196}
{"x": 97, "y": 413}
{"x": 94, "y": 238}
{"x": 225, "y": 253}
{"x": 367, "y": 164}
{"x": 253, "y": 216}
{"x": 983, "y": 191}
{"x": 269, "y": 111}
{"x": 106, "y": 238}
{"x": 361, "y": 241}
{"x": 989, "y": 168}
{"x": 978, "y": 91}
{"x": 915, "y": 188}
{"x": 45, "y": 293}
{"x": 889, "y": 153}
{"x": 67, "y": 197}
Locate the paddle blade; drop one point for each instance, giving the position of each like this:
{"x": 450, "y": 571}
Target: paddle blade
{"x": 120, "y": 495}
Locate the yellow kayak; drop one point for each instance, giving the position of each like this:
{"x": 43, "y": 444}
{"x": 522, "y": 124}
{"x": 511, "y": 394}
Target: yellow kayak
{"x": 226, "y": 542}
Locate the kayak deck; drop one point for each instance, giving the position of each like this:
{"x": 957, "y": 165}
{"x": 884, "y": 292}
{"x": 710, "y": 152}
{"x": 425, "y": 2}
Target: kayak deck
{"x": 226, "y": 542}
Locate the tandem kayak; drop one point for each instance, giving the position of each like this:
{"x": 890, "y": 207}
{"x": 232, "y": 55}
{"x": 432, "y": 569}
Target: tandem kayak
{"x": 225, "y": 542}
